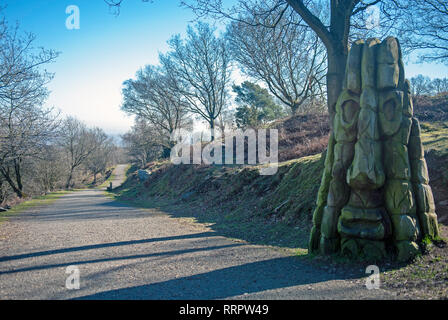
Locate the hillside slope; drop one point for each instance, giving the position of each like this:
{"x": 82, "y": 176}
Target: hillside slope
{"x": 236, "y": 200}
{"x": 277, "y": 210}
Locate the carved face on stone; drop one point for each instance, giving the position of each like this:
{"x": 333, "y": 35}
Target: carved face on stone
{"x": 374, "y": 193}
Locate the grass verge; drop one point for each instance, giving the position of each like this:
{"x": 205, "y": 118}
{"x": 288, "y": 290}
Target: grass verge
{"x": 31, "y": 203}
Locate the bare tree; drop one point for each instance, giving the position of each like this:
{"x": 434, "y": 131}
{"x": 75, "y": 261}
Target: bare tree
{"x": 288, "y": 57}
{"x": 154, "y": 96}
{"x": 421, "y": 85}
{"x": 25, "y": 126}
{"x": 78, "y": 142}
{"x": 201, "y": 62}
{"x": 100, "y": 158}
{"x": 335, "y": 28}
{"x": 48, "y": 170}
{"x": 440, "y": 85}
{"x": 23, "y": 135}
{"x": 226, "y": 121}
{"x": 425, "y": 28}
{"x": 141, "y": 143}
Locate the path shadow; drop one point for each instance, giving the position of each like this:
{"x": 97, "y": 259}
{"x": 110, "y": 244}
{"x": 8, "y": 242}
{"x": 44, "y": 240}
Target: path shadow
{"x": 85, "y": 207}
{"x": 136, "y": 256}
{"x": 225, "y": 283}
{"x": 254, "y": 230}
{"x": 104, "y": 245}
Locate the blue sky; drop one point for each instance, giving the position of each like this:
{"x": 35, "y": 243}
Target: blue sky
{"x": 108, "y": 49}
{"x": 105, "y": 51}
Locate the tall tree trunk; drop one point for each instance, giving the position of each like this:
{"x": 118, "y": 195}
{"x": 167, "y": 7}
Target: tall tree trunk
{"x": 212, "y": 130}
{"x": 335, "y": 78}
{"x": 166, "y": 152}
{"x": 69, "y": 179}
{"x": 11, "y": 183}
{"x": 2, "y": 195}
{"x": 335, "y": 40}
{"x": 18, "y": 174}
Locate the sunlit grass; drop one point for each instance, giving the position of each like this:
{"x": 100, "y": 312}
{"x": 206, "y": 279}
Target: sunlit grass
{"x": 435, "y": 137}
{"x": 31, "y": 203}
{"x": 107, "y": 181}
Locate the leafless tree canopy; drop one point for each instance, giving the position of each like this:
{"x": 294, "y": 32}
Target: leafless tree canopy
{"x": 83, "y": 146}
{"x": 422, "y": 85}
{"x": 142, "y": 143}
{"x": 25, "y": 126}
{"x": 201, "y": 63}
{"x": 288, "y": 57}
{"x": 424, "y": 21}
{"x": 425, "y": 29}
{"x": 297, "y": 48}
{"x": 154, "y": 97}
{"x": 33, "y": 156}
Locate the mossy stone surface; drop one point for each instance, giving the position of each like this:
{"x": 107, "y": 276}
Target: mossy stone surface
{"x": 399, "y": 198}
{"x": 343, "y": 157}
{"x": 338, "y": 193}
{"x": 405, "y": 227}
{"x": 368, "y": 63}
{"x": 403, "y": 134}
{"x": 368, "y": 199}
{"x": 428, "y": 224}
{"x": 329, "y": 222}
{"x": 366, "y": 170}
{"x": 406, "y": 250}
{"x": 396, "y": 157}
{"x": 388, "y": 51}
{"x": 368, "y": 125}
{"x": 390, "y": 112}
{"x": 349, "y": 214}
{"x": 416, "y": 150}
{"x": 352, "y": 80}
{"x": 329, "y": 246}
{"x": 424, "y": 198}
{"x": 388, "y": 76}
{"x": 419, "y": 171}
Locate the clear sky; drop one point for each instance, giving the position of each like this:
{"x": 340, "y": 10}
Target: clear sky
{"x": 105, "y": 51}
{"x": 108, "y": 49}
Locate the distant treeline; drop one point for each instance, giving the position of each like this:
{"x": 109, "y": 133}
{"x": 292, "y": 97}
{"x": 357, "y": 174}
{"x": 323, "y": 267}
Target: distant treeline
{"x": 39, "y": 150}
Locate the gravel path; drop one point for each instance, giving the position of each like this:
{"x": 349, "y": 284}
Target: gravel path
{"x": 127, "y": 253}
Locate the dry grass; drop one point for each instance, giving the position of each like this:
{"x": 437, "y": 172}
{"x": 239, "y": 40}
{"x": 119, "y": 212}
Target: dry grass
{"x": 302, "y": 135}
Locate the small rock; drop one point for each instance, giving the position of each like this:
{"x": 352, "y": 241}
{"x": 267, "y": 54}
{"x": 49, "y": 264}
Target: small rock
{"x": 143, "y": 175}
{"x": 187, "y": 195}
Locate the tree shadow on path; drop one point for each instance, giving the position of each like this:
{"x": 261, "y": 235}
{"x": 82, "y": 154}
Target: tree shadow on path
{"x": 228, "y": 282}
{"x": 105, "y": 245}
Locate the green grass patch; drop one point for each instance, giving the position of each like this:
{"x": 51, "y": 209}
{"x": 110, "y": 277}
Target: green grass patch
{"x": 434, "y": 137}
{"x": 31, "y": 203}
{"x": 107, "y": 181}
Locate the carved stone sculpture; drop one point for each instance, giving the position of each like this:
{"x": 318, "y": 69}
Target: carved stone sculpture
{"x": 374, "y": 193}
